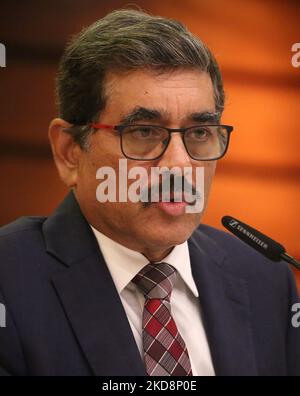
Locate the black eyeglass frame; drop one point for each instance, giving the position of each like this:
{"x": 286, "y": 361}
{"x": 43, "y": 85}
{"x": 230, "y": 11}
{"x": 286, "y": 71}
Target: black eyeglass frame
{"x": 120, "y": 128}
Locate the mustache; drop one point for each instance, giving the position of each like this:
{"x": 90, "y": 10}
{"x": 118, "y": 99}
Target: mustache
{"x": 170, "y": 185}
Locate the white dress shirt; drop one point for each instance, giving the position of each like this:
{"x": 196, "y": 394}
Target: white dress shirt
{"x": 124, "y": 264}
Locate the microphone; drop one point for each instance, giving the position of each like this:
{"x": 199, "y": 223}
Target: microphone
{"x": 262, "y": 243}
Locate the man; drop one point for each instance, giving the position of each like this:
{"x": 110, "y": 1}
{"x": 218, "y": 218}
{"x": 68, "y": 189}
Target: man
{"x": 75, "y": 285}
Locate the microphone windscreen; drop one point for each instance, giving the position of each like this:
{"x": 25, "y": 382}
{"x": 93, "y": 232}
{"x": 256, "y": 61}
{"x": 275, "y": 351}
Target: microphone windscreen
{"x": 263, "y": 244}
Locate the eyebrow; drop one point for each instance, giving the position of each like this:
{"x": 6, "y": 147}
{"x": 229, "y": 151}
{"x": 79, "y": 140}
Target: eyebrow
{"x": 205, "y": 116}
{"x": 142, "y": 114}
{"x": 145, "y": 114}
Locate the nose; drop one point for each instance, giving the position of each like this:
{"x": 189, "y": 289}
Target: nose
{"x": 175, "y": 154}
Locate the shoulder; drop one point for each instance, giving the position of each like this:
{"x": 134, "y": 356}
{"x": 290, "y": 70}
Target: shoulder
{"x": 20, "y": 230}
{"x": 237, "y": 257}
{"x": 22, "y": 224}
{"x": 268, "y": 283}
{"x": 224, "y": 240}
{"x": 210, "y": 238}
{"x": 20, "y": 244}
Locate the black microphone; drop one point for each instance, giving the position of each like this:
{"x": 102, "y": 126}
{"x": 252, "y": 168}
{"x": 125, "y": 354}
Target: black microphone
{"x": 262, "y": 243}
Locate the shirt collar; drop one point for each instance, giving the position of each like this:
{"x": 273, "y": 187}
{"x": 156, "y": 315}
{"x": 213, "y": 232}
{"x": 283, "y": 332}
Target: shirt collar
{"x": 124, "y": 263}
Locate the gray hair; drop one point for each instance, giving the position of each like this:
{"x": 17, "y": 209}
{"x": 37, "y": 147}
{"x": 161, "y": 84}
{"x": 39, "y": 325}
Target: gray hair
{"x": 124, "y": 40}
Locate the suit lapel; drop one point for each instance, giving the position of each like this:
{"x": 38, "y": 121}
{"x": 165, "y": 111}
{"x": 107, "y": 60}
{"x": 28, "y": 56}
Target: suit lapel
{"x": 225, "y": 309}
{"x": 88, "y": 295}
{"x": 95, "y": 313}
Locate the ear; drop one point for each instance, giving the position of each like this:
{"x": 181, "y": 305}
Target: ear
{"x": 65, "y": 151}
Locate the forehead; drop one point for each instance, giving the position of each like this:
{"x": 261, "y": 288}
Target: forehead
{"x": 174, "y": 93}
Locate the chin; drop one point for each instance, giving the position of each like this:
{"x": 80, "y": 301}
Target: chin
{"x": 169, "y": 237}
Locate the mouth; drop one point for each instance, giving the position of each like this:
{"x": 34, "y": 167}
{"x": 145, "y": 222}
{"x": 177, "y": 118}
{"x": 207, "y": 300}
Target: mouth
{"x": 172, "y": 208}
{"x": 173, "y": 203}
{"x": 176, "y": 204}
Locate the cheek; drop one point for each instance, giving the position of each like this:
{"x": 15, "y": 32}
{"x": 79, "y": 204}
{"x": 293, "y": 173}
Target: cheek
{"x": 87, "y": 181}
{"x": 102, "y": 153}
{"x": 209, "y": 173}
{"x": 204, "y": 180}
{"x": 88, "y": 170}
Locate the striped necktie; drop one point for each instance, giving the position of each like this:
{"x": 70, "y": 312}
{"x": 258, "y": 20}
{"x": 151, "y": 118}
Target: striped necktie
{"x": 165, "y": 353}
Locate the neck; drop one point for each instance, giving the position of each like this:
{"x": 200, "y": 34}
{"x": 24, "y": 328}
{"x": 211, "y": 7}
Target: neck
{"x": 154, "y": 256}
{"x": 153, "y": 253}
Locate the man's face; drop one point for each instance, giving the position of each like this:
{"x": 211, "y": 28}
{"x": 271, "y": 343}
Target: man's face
{"x": 174, "y": 98}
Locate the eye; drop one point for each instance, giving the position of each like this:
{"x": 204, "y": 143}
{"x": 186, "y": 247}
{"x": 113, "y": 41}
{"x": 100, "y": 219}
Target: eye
{"x": 144, "y": 132}
{"x": 198, "y": 134}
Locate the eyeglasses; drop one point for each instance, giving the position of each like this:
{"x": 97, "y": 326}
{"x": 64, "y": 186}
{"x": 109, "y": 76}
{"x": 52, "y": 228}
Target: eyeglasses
{"x": 149, "y": 142}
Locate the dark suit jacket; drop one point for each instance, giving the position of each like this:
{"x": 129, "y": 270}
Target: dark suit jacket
{"x": 64, "y": 315}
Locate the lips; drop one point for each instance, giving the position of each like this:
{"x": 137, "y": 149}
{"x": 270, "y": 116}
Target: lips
{"x": 176, "y": 205}
{"x": 172, "y": 208}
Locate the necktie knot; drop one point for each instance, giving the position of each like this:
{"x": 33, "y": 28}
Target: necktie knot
{"x": 156, "y": 281}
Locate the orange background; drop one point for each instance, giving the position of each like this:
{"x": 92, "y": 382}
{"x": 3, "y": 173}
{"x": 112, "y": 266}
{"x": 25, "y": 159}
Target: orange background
{"x": 258, "y": 181}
